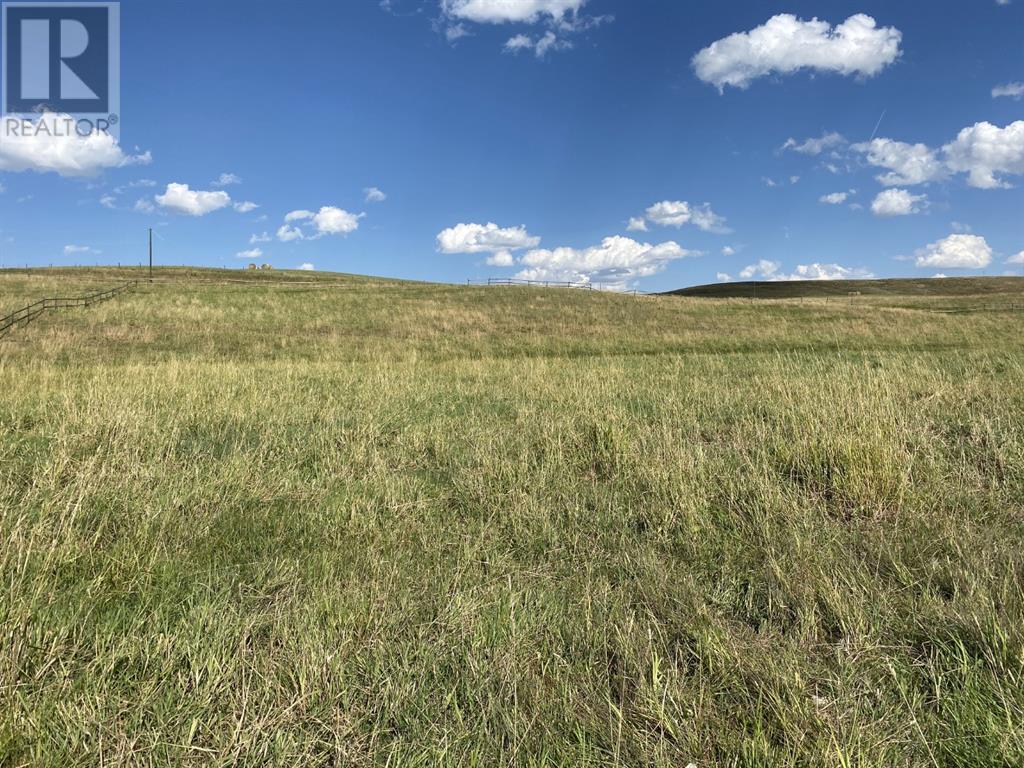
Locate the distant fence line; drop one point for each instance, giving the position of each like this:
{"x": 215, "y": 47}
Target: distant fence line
{"x": 27, "y": 314}
{"x": 555, "y": 284}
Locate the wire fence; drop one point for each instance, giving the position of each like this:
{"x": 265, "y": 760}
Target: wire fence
{"x": 27, "y": 314}
{"x": 505, "y": 281}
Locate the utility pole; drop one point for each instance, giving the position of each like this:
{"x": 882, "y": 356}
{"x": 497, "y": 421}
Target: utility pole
{"x": 151, "y": 254}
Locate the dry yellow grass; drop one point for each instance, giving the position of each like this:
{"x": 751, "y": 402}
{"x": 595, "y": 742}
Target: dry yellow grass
{"x": 363, "y": 522}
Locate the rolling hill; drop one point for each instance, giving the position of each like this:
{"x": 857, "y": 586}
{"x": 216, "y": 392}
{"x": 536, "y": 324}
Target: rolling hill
{"x": 919, "y": 287}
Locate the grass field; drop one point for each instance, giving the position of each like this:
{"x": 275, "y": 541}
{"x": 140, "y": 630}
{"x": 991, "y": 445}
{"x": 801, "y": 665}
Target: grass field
{"x": 902, "y": 289}
{"x": 323, "y": 520}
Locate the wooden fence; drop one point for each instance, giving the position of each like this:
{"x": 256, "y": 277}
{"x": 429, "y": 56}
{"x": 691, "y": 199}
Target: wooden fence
{"x": 26, "y": 315}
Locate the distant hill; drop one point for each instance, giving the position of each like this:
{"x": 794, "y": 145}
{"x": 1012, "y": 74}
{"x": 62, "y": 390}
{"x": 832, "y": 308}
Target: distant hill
{"x": 949, "y": 286}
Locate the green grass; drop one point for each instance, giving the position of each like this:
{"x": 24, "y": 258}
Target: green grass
{"x": 324, "y": 520}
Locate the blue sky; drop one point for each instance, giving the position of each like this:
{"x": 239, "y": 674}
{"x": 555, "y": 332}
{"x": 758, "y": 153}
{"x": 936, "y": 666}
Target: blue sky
{"x": 639, "y": 143}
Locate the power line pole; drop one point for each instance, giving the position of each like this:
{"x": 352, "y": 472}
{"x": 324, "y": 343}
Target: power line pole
{"x": 151, "y": 254}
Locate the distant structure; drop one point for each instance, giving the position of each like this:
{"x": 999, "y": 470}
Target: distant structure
{"x": 252, "y": 266}
{"x": 265, "y": 266}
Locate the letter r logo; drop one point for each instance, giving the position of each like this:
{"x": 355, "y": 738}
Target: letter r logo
{"x": 58, "y": 56}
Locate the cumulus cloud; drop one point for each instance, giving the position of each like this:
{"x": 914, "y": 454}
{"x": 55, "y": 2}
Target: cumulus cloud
{"x": 897, "y": 202}
{"x": 676, "y": 213}
{"x": 501, "y": 11}
{"x": 770, "y": 271}
{"x": 286, "y": 233}
{"x": 615, "y": 263}
{"x": 1018, "y": 259}
{"x": 71, "y": 250}
{"x": 50, "y": 143}
{"x": 786, "y": 44}
{"x": 984, "y": 150}
{"x": 561, "y": 17}
{"x": 180, "y": 199}
{"x": 329, "y": 220}
{"x": 836, "y": 198}
{"x": 728, "y": 251}
{"x": 498, "y": 242}
{"x": 636, "y": 224}
{"x": 252, "y": 253}
{"x": 818, "y": 271}
{"x": 763, "y": 269}
{"x": 306, "y": 267}
{"x": 245, "y": 206}
{"x": 1010, "y": 91}
{"x": 829, "y": 140}
{"x": 540, "y": 45}
{"x": 956, "y": 252}
{"x": 907, "y": 164}
{"x": 374, "y": 195}
{"x": 226, "y": 179}
{"x": 263, "y": 237}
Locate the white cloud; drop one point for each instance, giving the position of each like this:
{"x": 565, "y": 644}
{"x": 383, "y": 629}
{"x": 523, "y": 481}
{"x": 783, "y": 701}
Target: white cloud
{"x": 143, "y": 205}
{"x": 181, "y": 199}
{"x": 109, "y": 201}
{"x": 786, "y": 44}
{"x": 51, "y": 143}
{"x": 455, "y": 32}
{"x": 908, "y": 164}
{"x": 374, "y": 195}
{"x": 307, "y": 267}
{"x": 1018, "y": 259}
{"x": 723, "y": 277}
{"x": 815, "y": 147}
{"x": 728, "y": 251}
{"x": 676, "y": 213}
{"x": 226, "y": 179}
{"x": 486, "y": 238}
{"x": 330, "y": 220}
{"x": 825, "y": 272}
{"x": 1010, "y": 90}
{"x": 984, "y": 150}
{"x": 561, "y": 17}
{"x": 637, "y": 224}
{"x": 836, "y": 198}
{"x": 500, "y": 11}
{"x": 263, "y": 237}
{"x": 956, "y": 252}
{"x": 549, "y": 41}
{"x": 286, "y": 233}
{"x": 769, "y": 270}
{"x": 70, "y": 250}
{"x": 252, "y": 253}
{"x": 897, "y": 202}
{"x": 245, "y": 207}
{"x": 616, "y": 262}
{"x": 501, "y": 259}
{"x": 763, "y": 269}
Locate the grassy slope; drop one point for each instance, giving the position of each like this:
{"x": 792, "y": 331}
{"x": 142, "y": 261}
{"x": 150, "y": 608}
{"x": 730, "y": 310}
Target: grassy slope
{"x": 367, "y": 522}
{"x": 902, "y": 288}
